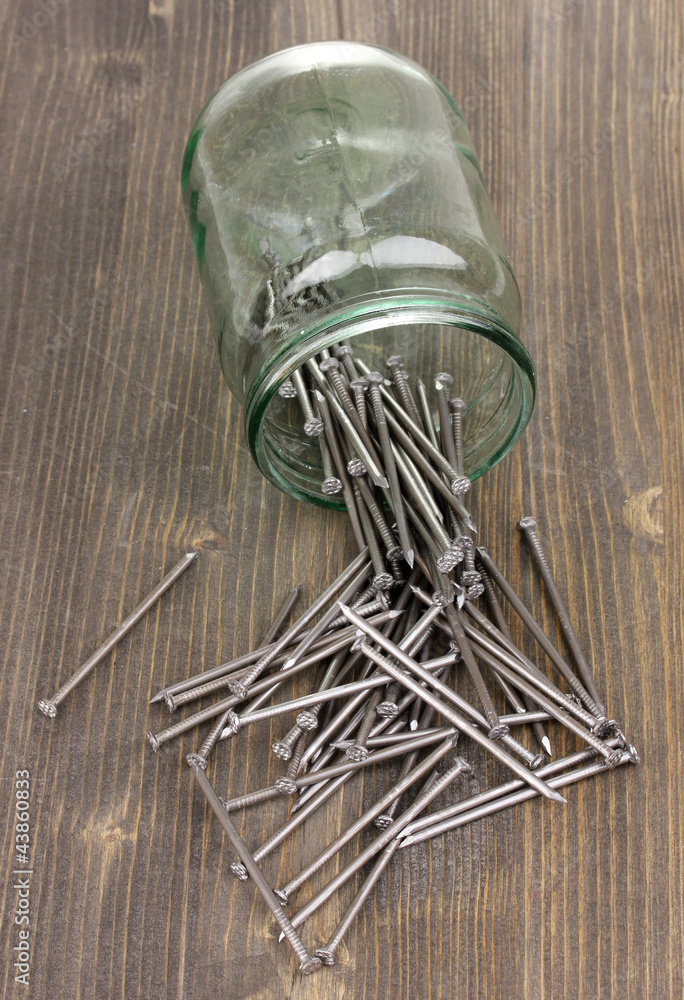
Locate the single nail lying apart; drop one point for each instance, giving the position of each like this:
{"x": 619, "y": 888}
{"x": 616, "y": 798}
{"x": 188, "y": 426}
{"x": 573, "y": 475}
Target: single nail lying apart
{"x": 49, "y": 707}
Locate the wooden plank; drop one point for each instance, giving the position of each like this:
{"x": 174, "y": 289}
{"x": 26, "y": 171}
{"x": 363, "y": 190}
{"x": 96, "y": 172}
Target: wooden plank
{"x": 120, "y": 447}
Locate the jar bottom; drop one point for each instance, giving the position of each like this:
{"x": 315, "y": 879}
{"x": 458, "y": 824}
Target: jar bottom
{"x": 496, "y": 385}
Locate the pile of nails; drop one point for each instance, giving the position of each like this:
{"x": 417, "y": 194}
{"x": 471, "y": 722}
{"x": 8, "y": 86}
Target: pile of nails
{"x": 387, "y": 647}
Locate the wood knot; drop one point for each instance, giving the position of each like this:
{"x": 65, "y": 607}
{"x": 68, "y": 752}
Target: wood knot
{"x": 214, "y": 543}
{"x": 644, "y": 514}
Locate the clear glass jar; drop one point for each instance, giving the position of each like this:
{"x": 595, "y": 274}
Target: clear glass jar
{"x": 332, "y": 192}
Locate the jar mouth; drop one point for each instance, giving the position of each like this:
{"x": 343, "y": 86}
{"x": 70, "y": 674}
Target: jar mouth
{"x": 505, "y": 394}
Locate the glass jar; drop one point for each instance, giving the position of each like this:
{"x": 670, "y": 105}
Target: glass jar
{"x": 332, "y": 192}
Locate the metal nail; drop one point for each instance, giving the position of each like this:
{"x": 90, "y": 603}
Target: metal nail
{"x": 548, "y": 705}
{"x": 287, "y": 785}
{"x": 384, "y": 531}
{"x": 626, "y": 757}
{"x": 344, "y": 352}
{"x": 268, "y": 684}
{"x": 528, "y": 526}
{"x": 326, "y": 645}
{"x": 382, "y": 580}
{"x": 519, "y": 663}
{"x": 209, "y": 743}
{"x": 538, "y": 633}
{"x": 327, "y": 954}
{"x": 426, "y": 716}
{"x": 49, "y": 706}
{"x": 368, "y": 816}
{"x": 283, "y": 748}
{"x": 287, "y": 390}
{"x": 374, "y": 380}
{"x": 356, "y": 440}
{"x": 293, "y": 822}
{"x": 456, "y": 409}
{"x": 432, "y": 473}
{"x": 240, "y": 687}
{"x": 351, "y": 708}
{"x": 497, "y": 791}
{"x": 331, "y": 484}
{"x": 400, "y": 378}
{"x": 497, "y": 614}
{"x": 358, "y": 751}
{"x": 386, "y": 739}
{"x": 338, "y": 462}
{"x": 417, "y": 497}
{"x": 381, "y": 841}
{"x": 250, "y": 798}
{"x": 414, "y": 430}
{"x": 533, "y": 760}
{"x": 455, "y": 620}
{"x": 448, "y": 713}
{"x": 442, "y": 381}
{"x": 387, "y": 708}
{"x": 351, "y": 590}
{"x": 307, "y": 963}
{"x": 426, "y": 413}
{"x": 470, "y": 576}
{"x": 313, "y": 425}
{"x": 418, "y": 742}
{"x": 236, "y": 722}
{"x": 359, "y": 387}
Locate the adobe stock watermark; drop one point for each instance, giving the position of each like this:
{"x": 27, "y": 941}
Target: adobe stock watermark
{"x": 21, "y": 878}
{"x": 654, "y": 259}
{"x": 230, "y": 6}
{"x": 564, "y": 10}
{"x": 471, "y": 102}
{"x": 570, "y": 171}
{"x": 379, "y": 21}
{"x": 374, "y": 25}
{"x": 674, "y": 77}
{"x": 32, "y": 24}
{"x": 436, "y": 143}
{"x": 91, "y": 138}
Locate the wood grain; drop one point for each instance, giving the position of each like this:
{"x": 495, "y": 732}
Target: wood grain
{"x": 120, "y": 447}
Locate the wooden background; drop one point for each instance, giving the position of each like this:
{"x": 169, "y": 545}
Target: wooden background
{"x": 120, "y": 448}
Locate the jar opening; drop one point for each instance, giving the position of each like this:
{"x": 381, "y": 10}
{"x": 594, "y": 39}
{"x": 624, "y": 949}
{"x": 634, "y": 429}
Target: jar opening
{"x": 492, "y": 371}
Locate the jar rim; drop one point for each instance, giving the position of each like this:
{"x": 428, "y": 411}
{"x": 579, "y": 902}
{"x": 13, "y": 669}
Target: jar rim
{"x": 368, "y": 313}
